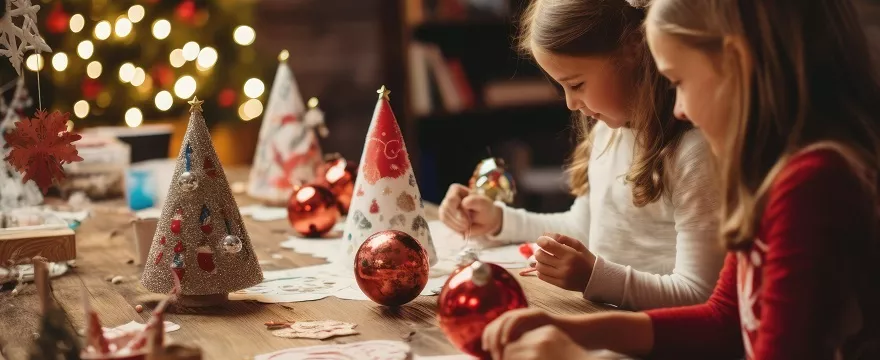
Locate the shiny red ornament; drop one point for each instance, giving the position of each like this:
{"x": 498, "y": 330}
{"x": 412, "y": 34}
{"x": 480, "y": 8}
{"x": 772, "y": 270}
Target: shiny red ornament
{"x": 339, "y": 176}
{"x": 391, "y": 267}
{"x": 312, "y": 210}
{"x": 471, "y": 299}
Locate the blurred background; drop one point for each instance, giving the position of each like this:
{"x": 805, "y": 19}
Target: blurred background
{"x": 459, "y": 90}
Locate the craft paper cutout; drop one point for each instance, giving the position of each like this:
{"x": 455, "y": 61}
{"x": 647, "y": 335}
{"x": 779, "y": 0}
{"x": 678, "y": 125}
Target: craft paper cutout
{"x": 318, "y": 330}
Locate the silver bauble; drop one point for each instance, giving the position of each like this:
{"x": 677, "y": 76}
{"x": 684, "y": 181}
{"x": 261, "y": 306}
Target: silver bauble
{"x": 188, "y": 181}
{"x": 232, "y": 244}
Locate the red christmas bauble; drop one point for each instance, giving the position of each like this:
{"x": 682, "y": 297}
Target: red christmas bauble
{"x": 391, "y": 267}
{"x": 312, "y": 210}
{"x": 471, "y": 299}
{"x": 339, "y": 175}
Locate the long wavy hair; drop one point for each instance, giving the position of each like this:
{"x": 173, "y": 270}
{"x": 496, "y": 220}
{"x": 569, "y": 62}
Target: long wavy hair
{"x": 602, "y": 27}
{"x": 811, "y": 85}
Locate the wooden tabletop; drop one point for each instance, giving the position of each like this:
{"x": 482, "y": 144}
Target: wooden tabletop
{"x": 105, "y": 247}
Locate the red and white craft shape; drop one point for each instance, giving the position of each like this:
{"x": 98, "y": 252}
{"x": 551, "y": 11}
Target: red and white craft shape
{"x": 287, "y": 152}
{"x": 386, "y": 194}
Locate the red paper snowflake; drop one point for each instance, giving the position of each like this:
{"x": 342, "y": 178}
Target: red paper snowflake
{"x": 40, "y": 146}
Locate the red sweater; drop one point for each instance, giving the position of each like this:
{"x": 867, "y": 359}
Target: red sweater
{"x": 789, "y": 295}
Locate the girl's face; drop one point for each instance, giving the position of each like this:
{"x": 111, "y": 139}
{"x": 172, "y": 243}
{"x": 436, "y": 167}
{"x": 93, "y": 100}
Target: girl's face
{"x": 697, "y": 82}
{"x": 596, "y": 86}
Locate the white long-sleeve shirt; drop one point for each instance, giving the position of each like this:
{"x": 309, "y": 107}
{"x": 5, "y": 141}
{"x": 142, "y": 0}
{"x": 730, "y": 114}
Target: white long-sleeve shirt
{"x": 663, "y": 254}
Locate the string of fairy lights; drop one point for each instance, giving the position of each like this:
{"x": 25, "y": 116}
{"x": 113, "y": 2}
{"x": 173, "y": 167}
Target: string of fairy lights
{"x": 205, "y": 57}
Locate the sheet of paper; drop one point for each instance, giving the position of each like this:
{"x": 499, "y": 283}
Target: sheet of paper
{"x": 374, "y": 350}
{"x": 332, "y": 279}
{"x": 264, "y": 213}
{"x": 136, "y": 326}
{"x": 314, "y": 283}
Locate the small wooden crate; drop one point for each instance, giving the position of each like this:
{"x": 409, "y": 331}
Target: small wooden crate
{"x": 55, "y": 242}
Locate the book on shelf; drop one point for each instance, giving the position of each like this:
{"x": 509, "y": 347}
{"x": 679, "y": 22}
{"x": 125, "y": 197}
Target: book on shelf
{"x": 519, "y": 92}
{"x": 432, "y": 75}
{"x": 420, "y": 11}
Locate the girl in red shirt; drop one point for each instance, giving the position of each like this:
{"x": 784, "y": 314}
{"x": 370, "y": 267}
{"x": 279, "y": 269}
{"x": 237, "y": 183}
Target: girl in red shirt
{"x": 785, "y": 94}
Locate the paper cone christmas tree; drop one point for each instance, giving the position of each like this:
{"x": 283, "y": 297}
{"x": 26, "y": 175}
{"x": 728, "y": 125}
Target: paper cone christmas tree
{"x": 386, "y": 194}
{"x": 287, "y": 152}
{"x": 200, "y": 237}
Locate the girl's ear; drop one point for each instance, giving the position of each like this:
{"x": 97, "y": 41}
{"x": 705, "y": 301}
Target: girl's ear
{"x": 632, "y": 48}
{"x": 735, "y": 48}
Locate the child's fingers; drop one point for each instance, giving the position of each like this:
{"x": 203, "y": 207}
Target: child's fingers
{"x": 567, "y": 241}
{"x": 549, "y": 270}
{"x": 477, "y": 203}
{"x": 556, "y": 249}
{"x": 550, "y": 279}
{"x": 543, "y": 257}
{"x": 458, "y": 191}
{"x": 453, "y": 219}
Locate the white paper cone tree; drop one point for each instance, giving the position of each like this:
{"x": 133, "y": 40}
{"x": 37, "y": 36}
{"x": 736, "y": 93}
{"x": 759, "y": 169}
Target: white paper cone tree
{"x": 200, "y": 237}
{"x": 287, "y": 151}
{"x": 386, "y": 194}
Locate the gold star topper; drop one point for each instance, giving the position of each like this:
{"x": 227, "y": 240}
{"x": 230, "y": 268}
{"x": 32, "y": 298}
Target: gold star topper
{"x": 195, "y": 104}
{"x": 383, "y": 93}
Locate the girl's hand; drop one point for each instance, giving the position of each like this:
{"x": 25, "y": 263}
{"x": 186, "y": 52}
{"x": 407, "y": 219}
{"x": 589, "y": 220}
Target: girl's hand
{"x": 463, "y": 212}
{"x": 546, "y": 342}
{"x": 564, "y": 262}
{"x": 510, "y": 326}
{"x": 451, "y": 212}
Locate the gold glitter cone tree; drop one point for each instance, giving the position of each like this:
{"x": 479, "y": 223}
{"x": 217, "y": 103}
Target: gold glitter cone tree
{"x": 200, "y": 237}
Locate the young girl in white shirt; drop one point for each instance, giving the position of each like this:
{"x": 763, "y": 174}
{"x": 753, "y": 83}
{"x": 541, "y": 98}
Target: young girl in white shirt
{"x": 642, "y": 232}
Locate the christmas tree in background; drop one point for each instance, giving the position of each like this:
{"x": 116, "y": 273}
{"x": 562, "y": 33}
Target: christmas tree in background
{"x": 200, "y": 237}
{"x": 121, "y": 61}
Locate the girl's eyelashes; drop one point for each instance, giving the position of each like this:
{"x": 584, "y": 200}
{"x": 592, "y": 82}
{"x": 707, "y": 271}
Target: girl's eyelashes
{"x": 577, "y": 86}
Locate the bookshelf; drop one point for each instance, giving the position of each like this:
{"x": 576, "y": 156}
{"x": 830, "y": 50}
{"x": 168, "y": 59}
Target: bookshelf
{"x": 467, "y": 89}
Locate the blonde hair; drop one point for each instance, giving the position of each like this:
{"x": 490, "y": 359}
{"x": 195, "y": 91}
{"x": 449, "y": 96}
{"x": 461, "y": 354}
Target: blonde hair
{"x": 602, "y": 27}
{"x": 802, "y": 92}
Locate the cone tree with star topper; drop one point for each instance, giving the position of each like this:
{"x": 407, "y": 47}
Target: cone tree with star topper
{"x": 386, "y": 194}
{"x": 200, "y": 238}
{"x": 287, "y": 152}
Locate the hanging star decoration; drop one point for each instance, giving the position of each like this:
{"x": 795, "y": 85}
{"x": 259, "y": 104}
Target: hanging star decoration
{"x": 40, "y": 146}
{"x": 15, "y": 40}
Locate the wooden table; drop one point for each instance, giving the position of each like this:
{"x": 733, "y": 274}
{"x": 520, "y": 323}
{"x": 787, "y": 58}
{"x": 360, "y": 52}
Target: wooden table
{"x": 235, "y": 331}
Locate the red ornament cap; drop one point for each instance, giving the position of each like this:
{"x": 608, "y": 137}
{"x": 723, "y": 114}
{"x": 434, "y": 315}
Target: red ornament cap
{"x": 482, "y": 273}
{"x": 385, "y": 155}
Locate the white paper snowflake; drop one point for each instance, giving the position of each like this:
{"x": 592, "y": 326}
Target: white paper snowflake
{"x": 27, "y": 34}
